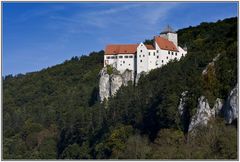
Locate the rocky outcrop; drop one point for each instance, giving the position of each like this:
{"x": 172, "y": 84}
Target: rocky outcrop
{"x": 104, "y": 85}
{"x": 229, "y": 110}
{"x": 116, "y": 81}
{"x": 210, "y": 65}
{"x": 127, "y": 76}
{"x": 182, "y": 103}
{"x": 231, "y": 106}
{"x": 217, "y": 107}
{"x": 110, "y": 83}
{"x": 203, "y": 114}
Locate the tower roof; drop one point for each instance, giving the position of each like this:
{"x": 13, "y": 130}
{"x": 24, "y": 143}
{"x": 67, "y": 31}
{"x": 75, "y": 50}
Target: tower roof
{"x": 165, "y": 44}
{"x": 168, "y": 29}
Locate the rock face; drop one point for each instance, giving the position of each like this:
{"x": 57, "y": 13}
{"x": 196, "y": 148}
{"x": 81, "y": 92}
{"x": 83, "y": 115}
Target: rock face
{"x": 203, "y": 114}
{"x": 116, "y": 82}
{"x": 217, "y": 107}
{"x": 211, "y": 64}
{"x": 182, "y": 103}
{"x": 104, "y": 85}
{"x": 231, "y": 106}
{"x": 109, "y": 84}
{"x": 127, "y": 76}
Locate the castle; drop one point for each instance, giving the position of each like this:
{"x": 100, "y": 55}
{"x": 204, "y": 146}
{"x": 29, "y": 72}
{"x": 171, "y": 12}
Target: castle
{"x": 144, "y": 57}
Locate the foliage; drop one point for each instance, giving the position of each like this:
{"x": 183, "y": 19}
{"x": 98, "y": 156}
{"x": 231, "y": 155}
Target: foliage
{"x": 55, "y": 113}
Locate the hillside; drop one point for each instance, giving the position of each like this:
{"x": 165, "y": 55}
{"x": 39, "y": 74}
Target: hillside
{"x": 56, "y": 113}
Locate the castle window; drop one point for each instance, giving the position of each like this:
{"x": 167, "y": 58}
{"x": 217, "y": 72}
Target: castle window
{"x": 129, "y": 64}
{"x": 149, "y": 53}
{"x": 120, "y": 64}
{"x": 140, "y": 50}
{"x": 172, "y": 53}
{"x": 120, "y": 57}
{"x": 157, "y": 56}
{"x": 167, "y": 57}
{"x": 162, "y": 61}
{"x": 143, "y": 55}
{"x": 139, "y": 55}
{"x": 113, "y": 57}
{"x": 168, "y": 52}
{"x": 182, "y": 55}
{"x": 176, "y": 53}
{"x": 157, "y": 51}
{"x": 153, "y": 53}
{"x": 124, "y": 62}
{"x": 140, "y": 60}
{"x": 108, "y": 57}
{"x": 125, "y": 56}
{"x": 130, "y": 56}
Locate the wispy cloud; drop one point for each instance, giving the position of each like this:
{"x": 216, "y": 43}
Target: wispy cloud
{"x": 157, "y": 13}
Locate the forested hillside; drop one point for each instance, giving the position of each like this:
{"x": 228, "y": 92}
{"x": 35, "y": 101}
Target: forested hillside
{"x": 56, "y": 114}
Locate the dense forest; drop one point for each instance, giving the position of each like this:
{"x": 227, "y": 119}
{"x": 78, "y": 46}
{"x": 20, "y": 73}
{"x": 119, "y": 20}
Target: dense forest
{"x": 56, "y": 114}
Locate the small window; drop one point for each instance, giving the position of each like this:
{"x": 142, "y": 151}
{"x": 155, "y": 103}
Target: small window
{"x": 143, "y": 55}
{"x": 140, "y": 50}
{"x": 108, "y": 57}
{"x": 120, "y": 57}
{"x": 176, "y": 53}
{"x": 162, "y": 61}
{"x": 149, "y": 53}
{"x": 157, "y": 51}
{"x": 139, "y": 55}
{"x": 172, "y": 53}
{"x": 124, "y": 62}
{"x": 129, "y": 64}
{"x": 157, "y": 56}
{"x": 130, "y": 56}
{"x": 168, "y": 52}
{"x": 140, "y": 60}
{"x": 153, "y": 53}
{"x": 167, "y": 57}
{"x": 182, "y": 55}
{"x": 125, "y": 56}
{"x": 113, "y": 57}
{"x": 120, "y": 64}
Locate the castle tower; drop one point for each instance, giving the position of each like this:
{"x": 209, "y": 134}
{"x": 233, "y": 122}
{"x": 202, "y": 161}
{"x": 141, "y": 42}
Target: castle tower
{"x": 170, "y": 35}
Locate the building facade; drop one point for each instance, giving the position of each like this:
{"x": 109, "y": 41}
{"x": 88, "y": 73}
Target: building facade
{"x": 143, "y": 58}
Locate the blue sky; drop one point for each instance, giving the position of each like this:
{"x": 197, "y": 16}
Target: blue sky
{"x": 40, "y": 35}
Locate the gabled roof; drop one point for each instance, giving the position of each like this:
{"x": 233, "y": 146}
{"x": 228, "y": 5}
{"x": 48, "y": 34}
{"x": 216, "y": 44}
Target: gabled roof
{"x": 113, "y": 49}
{"x": 165, "y": 44}
{"x": 150, "y": 47}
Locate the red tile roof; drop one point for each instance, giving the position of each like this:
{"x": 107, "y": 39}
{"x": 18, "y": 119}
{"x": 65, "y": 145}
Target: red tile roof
{"x": 165, "y": 44}
{"x": 114, "y": 49}
{"x": 150, "y": 47}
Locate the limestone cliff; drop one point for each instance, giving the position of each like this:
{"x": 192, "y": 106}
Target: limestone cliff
{"x": 231, "y": 106}
{"x": 227, "y": 109}
{"x": 110, "y": 83}
{"x": 104, "y": 84}
{"x": 202, "y": 115}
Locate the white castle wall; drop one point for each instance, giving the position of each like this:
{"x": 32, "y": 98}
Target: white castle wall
{"x": 145, "y": 60}
{"x": 142, "y": 58}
